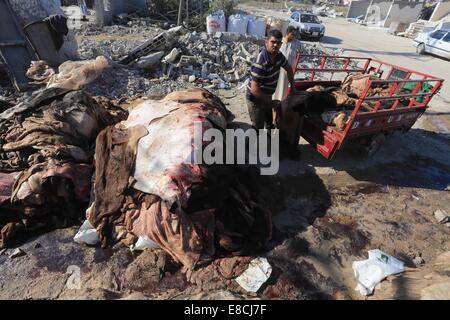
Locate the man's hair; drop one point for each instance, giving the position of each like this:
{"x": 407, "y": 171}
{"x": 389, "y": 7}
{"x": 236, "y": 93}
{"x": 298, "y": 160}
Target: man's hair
{"x": 274, "y": 33}
{"x": 291, "y": 29}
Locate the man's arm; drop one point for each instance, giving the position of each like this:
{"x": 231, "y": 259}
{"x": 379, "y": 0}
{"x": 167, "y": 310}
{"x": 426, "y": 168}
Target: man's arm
{"x": 258, "y": 94}
{"x": 290, "y": 75}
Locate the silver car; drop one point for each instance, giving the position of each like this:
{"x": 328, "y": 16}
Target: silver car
{"x": 309, "y": 26}
{"x": 436, "y": 42}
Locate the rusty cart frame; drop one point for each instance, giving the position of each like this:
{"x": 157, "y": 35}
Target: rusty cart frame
{"x": 365, "y": 125}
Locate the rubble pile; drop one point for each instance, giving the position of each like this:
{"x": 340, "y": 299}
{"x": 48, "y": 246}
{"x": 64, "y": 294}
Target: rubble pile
{"x": 222, "y": 56}
{"x": 216, "y": 61}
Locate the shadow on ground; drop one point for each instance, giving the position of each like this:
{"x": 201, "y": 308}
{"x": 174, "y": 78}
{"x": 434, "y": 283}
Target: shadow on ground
{"x": 418, "y": 158}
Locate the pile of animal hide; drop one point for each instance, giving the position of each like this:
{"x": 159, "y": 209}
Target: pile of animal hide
{"x": 46, "y": 156}
{"x": 145, "y": 186}
{"x": 71, "y": 74}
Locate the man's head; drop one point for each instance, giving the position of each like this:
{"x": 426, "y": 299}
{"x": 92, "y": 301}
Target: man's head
{"x": 291, "y": 32}
{"x": 273, "y": 41}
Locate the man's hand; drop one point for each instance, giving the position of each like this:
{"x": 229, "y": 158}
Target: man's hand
{"x": 276, "y": 105}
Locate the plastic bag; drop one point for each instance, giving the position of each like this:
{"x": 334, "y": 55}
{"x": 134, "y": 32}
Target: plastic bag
{"x": 143, "y": 243}
{"x": 87, "y": 234}
{"x": 256, "y": 275}
{"x": 370, "y": 272}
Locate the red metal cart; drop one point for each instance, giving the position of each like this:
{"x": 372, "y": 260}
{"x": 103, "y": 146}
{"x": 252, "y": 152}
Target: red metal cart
{"x": 367, "y": 126}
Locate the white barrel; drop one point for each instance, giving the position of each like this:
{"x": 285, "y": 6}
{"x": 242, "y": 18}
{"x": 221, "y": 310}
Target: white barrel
{"x": 256, "y": 27}
{"x": 215, "y": 22}
{"x": 237, "y": 24}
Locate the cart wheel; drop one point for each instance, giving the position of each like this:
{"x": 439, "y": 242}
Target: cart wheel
{"x": 374, "y": 145}
{"x": 421, "y": 48}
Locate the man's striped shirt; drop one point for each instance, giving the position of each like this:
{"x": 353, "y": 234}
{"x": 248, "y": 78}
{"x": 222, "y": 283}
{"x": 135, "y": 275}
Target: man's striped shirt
{"x": 265, "y": 73}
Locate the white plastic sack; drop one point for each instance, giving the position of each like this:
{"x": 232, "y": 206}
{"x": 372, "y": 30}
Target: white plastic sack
{"x": 237, "y": 24}
{"x": 256, "y": 27}
{"x": 370, "y": 272}
{"x": 87, "y": 234}
{"x": 144, "y": 243}
{"x": 215, "y": 22}
{"x": 256, "y": 275}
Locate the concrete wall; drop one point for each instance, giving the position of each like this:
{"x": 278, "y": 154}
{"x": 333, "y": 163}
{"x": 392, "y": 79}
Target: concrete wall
{"x": 403, "y": 12}
{"x": 358, "y": 8}
{"x": 377, "y": 12}
{"x": 34, "y": 10}
{"x": 442, "y": 9}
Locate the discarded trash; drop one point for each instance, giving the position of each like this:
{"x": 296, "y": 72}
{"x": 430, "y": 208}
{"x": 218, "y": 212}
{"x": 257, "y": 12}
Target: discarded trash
{"x": 87, "y": 234}
{"x": 17, "y": 253}
{"x": 418, "y": 261}
{"x": 256, "y": 275}
{"x": 143, "y": 243}
{"x": 442, "y": 216}
{"x": 370, "y": 272}
{"x": 40, "y": 72}
{"x": 172, "y": 56}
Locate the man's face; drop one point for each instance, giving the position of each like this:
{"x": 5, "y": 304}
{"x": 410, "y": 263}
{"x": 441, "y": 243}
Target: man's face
{"x": 290, "y": 36}
{"x": 273, "y": 45}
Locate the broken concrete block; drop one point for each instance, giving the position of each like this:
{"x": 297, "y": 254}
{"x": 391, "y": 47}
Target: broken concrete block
{"x": 191, "y": 78}
{"x": 418, "y": 261}
{"x": 442, "y": 216}
{"x": 150, "y": 60}
{"x": 17, "y": 253}
{"x": 204, "y": 36}
{"x": 172, "y": 56}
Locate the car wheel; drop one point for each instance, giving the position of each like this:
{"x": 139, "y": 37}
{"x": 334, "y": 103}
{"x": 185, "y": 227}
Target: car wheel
{"x": 421, "y": 48}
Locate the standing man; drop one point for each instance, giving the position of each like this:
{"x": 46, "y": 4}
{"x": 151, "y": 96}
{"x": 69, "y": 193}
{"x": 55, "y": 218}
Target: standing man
{"x": 265, "y": 72}
{"x": 289, "y": 49}
{"x": 288, "y": 121}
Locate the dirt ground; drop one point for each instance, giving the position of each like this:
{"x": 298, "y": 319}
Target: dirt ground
{"x": 327, "y": 214}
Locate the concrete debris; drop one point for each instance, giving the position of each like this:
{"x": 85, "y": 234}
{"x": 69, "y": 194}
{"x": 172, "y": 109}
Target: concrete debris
{"x": 442, "y": 217}
{"x": 169, "y": 67}
{"x": 326, "y": 11}
{"x": 40, "y": 72}
{"x": 150, "y": 60}
{"x": 172, "y": 56}
{"x": 418, "y": 261}
{"x": 17, "y": 253}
